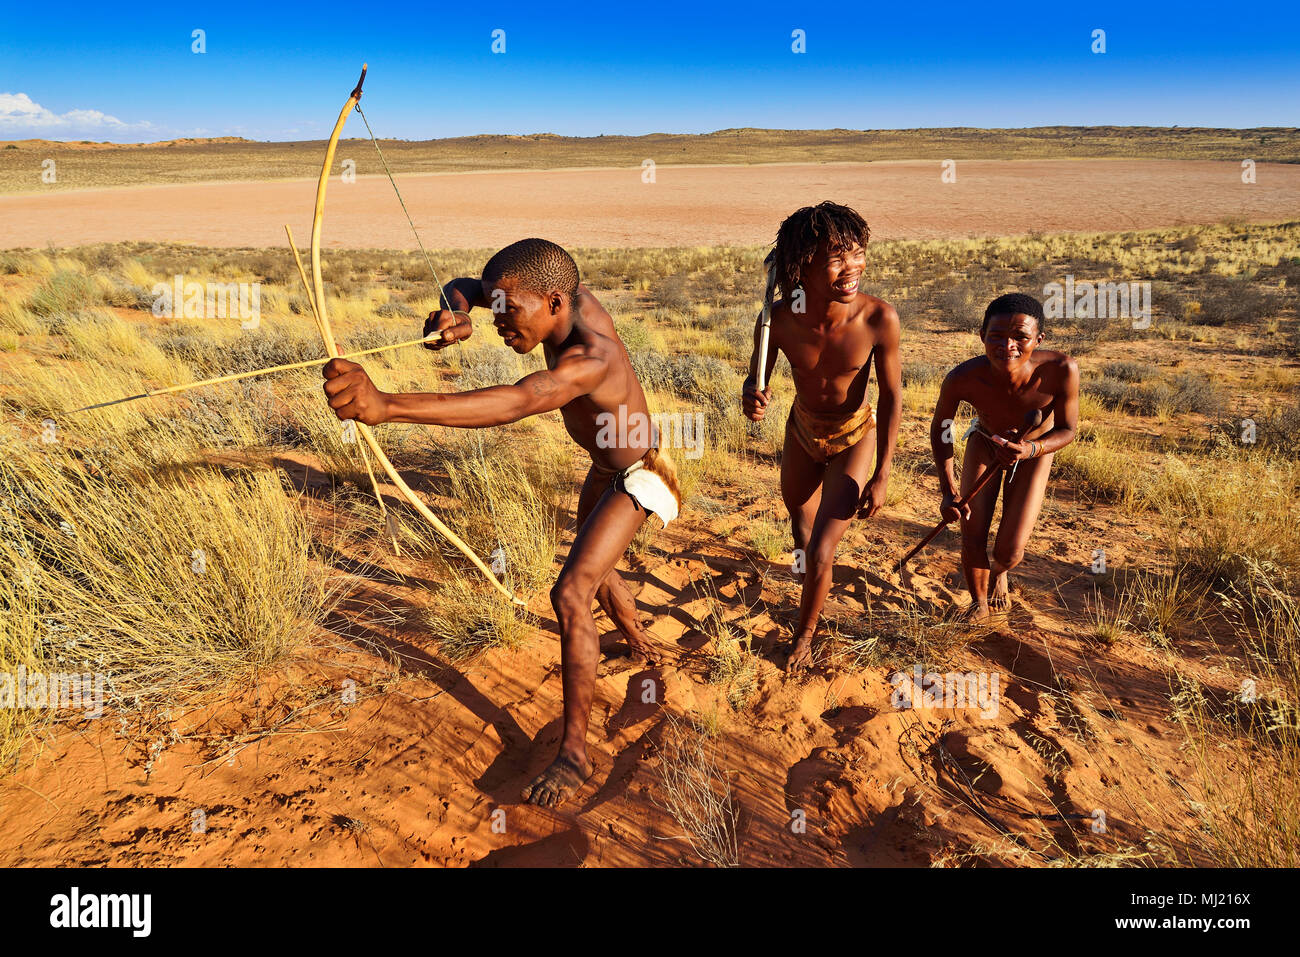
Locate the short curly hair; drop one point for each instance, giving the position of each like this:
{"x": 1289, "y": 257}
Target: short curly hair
{"x": 539, "y": 266}
{"x": 804, "y": 231}
{"x": 1011, "y": 304}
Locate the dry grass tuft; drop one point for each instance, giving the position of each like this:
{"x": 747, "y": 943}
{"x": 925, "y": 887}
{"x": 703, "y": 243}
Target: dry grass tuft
{"x": 467, "y": 621}
{"x": 1246, "y": 741}
{"x": 166, "y": 583}
{"x": 697, "y": 793}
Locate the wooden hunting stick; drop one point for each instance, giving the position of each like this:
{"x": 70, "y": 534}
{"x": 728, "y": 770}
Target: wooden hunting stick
{"x": 979, "y": 487}
{"x": 767, "y": 325}
{"x": 1032, "y": 418}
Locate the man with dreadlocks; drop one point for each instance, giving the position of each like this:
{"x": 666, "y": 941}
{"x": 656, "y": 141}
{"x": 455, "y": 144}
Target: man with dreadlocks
{"x": 533, "y": 291}
{"x": 1026, "y": 401}
{"x": 830, "y": 332}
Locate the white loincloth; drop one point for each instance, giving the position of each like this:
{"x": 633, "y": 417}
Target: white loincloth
{"x": 648, "y": 490}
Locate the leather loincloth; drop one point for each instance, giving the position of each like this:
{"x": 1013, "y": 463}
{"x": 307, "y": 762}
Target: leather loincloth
{"x": 824, "y": 436}
{"x": 651, "y": 482}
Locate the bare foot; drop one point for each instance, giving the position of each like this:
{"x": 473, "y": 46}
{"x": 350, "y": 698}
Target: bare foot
{"x": 1000, "y": 599}
{"x": 976, "y": 611}
{"x": 641, "y": 651}
{"x": 800, "y": 656}
{"x": 557, "y": 783}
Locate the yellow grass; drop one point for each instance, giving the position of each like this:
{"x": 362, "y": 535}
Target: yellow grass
{"x": 697, "y": 792}
{"x": 1245, "y": 738}
{"x": 467, "y": 621}
{"x": 164, "y": 582}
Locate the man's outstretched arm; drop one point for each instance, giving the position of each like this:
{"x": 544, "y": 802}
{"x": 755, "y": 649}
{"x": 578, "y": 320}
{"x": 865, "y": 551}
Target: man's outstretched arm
{"x": 352, "y": 395}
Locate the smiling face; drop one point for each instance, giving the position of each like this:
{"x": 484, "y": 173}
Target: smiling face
{"x": 834, "y": 274}
{"x": 1010, "y": 339}
{"x": 523, "y": 318}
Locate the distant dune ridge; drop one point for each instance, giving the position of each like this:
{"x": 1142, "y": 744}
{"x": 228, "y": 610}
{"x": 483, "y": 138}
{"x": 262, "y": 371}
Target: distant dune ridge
{"x": 98, "y": 165}
{"x": 92, "y": 145}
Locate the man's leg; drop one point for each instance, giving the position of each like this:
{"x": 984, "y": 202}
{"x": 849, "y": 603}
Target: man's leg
{"x": 613, "y": 594}
{"x": 801, "y": 477}
{"x": 1021, "y": 502}
{"x": 601, "y": 540}
{"x": 846, "y": 477}
{"x": 975, "y": 530}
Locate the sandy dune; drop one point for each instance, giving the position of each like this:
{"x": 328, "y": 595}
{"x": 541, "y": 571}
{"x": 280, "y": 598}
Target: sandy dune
{"x": 687, "y": 205}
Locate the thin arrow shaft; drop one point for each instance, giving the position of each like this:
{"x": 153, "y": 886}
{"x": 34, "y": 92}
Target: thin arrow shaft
{"x": 236, "y": 376}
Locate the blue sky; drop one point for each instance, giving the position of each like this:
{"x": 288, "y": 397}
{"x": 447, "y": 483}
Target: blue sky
{"x": 126, "y": 73}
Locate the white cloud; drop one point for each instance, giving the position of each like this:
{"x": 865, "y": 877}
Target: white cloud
{"x": 23, "y": 118}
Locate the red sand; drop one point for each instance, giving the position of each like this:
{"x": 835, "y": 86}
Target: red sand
{"x": 427, "y": 771}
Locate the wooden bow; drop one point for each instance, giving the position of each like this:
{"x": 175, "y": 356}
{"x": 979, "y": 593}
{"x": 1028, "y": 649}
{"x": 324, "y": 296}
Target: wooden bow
{"x": 318, "y": 293}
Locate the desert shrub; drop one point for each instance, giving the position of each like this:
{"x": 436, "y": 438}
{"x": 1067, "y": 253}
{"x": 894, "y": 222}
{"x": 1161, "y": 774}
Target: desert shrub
{"x": 396, "y": 310}
{"x": 65, "y": 291}
{"x": 923, "y": 373}
{"x": 1128, "y": 371}
{"x": 1185, "y": 392}
{"x": 257, "y": 348}
{"x": 639, "y": 335}
{"x": 735, "y": 325}
{"x": 690, "y": 377}
{"x": 489, "y": 367}
{"x": 960, "y": 305}
{"x": 1235, "y": 300}
{"x": 164, "y": 582}
{"x": 673, "y": 293}
{"x": 1113, "y": 393}
{"x": 375, "y": 335}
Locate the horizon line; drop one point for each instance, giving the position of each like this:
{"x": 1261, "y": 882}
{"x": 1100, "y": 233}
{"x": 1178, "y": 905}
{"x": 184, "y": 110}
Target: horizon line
{"x": 662, "y": 133}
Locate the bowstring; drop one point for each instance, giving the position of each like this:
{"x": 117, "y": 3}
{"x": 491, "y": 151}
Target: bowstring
{"x": 443, "y": 302}
{"x": 442, "y": 299}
